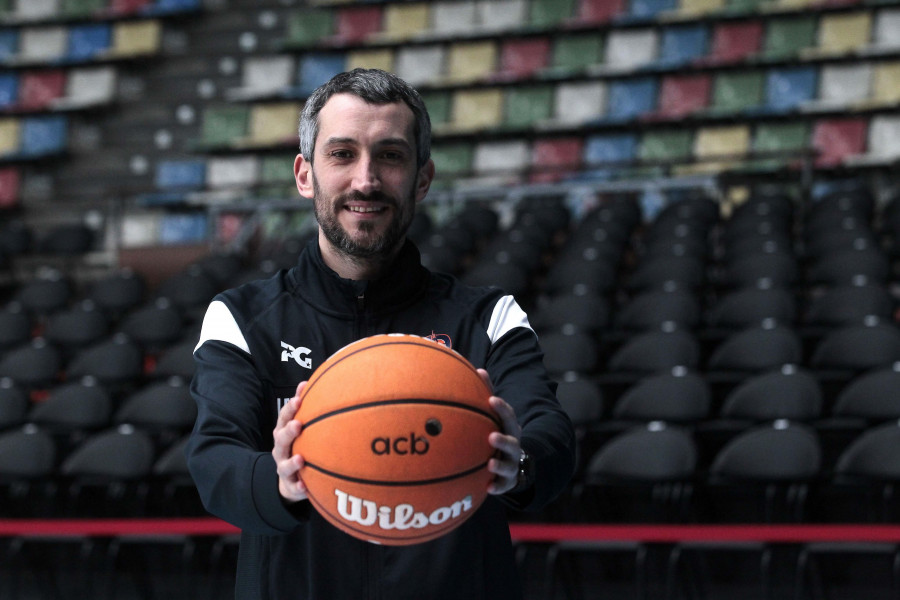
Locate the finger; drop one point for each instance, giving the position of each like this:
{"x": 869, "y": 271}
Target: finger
{"x": 289, "y": 410}
{"x": 485, "y": 378}
{"x": 507, "y": 416}
{"x": 505, "y": 476}
{"x": 284, "y": 439}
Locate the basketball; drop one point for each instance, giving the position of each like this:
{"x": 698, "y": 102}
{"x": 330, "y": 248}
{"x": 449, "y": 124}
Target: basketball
{"x": 395, "y": 439}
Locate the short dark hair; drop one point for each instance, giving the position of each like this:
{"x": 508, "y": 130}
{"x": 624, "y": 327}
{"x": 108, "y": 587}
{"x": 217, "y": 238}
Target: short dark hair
{"x": 375, "y": 87}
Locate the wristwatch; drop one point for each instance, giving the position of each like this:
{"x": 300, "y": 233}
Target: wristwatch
{"x": 525, "y": 476}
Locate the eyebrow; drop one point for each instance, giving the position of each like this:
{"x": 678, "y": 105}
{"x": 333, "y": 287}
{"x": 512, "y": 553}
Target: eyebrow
{"x": 385, "y": 142}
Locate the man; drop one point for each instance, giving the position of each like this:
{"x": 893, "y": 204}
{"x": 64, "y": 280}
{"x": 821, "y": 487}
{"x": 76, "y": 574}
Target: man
{"x": 365, "y": 162}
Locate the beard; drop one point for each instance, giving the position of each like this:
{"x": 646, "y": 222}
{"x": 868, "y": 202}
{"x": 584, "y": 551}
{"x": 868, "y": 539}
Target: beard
{"x": 364, "y": 243}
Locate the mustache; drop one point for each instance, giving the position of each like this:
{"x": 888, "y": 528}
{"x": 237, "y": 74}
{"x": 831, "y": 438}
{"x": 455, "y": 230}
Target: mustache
{"x": 376, "y": 196}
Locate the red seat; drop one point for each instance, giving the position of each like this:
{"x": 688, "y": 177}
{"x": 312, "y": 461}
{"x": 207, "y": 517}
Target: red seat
{"x": 681, "y": 95}
{"x": 521, "y": 58}
{"x": 37, "y": 89}
{"x": 356, "y": 23}
{"x": 735, "y": 41}
{"x": 836, "y": 139}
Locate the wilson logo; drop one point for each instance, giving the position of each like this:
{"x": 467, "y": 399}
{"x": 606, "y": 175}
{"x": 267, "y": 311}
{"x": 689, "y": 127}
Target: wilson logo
{"x": 401, "y": 517}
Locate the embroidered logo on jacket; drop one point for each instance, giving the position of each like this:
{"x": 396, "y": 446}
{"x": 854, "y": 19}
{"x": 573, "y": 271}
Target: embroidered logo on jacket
{"x": 299, "y": 354}
{"x": 441, "y": 338}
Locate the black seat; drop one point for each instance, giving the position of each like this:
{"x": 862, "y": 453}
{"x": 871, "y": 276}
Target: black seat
{"x": 49, "y": 292}
{"x": 862, "y": 488}
{"x": 652, "y": 309}
{"x": 27, "y": 466}
{"x": 655, "y": 351}
{"x": 747, "y": 307}
{"x": 644, "y": 474}
{"x": 73, "y": 410}
{"x": 850, "y": 267}
{"x": 855, "y": 348}
{"x": 15, "y": 328}
{"x": 679, "y": 396}
{"x": 13, "y": 404}
{"x": 570, "y": 353}
{"x": 118, "y": 292}
{"x": 108, "y": 474}
{"x": 848, "y": 305}
{"x": 154, "y": 326}
{"x": 36, "y": 365}
{"x": 77, "y": 327}
{"x": 754, "y": 350}
{"x": 164, "y": 409}
{"x": 190, "y": 291}
{"x": 584, "y": 312}
{"x": 177, "y": 360}
{"x": 762, "y": 475}
{"x": 115, "y": 361}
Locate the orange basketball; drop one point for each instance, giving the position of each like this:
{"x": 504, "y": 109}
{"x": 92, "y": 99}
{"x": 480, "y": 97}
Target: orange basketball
{"x": 395, "y": 439}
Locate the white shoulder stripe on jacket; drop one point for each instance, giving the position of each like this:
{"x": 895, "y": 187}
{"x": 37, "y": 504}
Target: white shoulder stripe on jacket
{"x": 219, "y": 324}
{"x": 507, "y": 315}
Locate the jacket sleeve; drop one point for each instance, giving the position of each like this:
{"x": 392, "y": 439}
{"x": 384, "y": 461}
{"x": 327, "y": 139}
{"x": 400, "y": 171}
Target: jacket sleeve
{"x": 515, "y": 364}
{"x": 228, "y": 453}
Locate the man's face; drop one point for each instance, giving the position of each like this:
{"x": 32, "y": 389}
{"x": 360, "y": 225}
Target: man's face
{"x": 364, "y": 178}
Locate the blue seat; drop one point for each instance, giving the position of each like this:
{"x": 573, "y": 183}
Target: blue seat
{"x": 87, "y": 41}
{"x": 631, "y": 98}
{"x": 316, "y": 69}
{"x": 9, "y": 89}
{"x": 683, "y": 43}
{"x": 9, "y": 43}
{"x": 183, "y": 228}
{"x": 44, "y": 135}
{"x": 181, "y": 174}
{"x": 170, "y": 7}
{"x": 789, "y": 87}
{"x": 649, "y": 9}
{"x": 610, "y": 148}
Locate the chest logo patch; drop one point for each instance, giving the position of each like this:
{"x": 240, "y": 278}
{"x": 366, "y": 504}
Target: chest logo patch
{"x": 300, "y": 355}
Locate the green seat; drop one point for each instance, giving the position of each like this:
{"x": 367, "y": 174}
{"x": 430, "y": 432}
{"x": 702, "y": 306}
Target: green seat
{"x": 439, "y": 105}
{"x": 276, "y": 169}
{"x": 573, "y": 53}
{"x": 746, "y": 6}
{"x": 77, "y": 8}
{"x": 306, "y": 27}
{"x": 786, "y": 37}
{"x": 737, "y": 91}
{"x": 453, "y": 158}
{"x": 223, "y": 125}
{"x": 524, "y": 106}
{"x": 792, "y": 139}
{"x": 550, "y": 13}
{"x": 666, "y": 145}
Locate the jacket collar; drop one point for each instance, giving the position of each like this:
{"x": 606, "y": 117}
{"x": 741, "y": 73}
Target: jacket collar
{"x": 403, "y": 282}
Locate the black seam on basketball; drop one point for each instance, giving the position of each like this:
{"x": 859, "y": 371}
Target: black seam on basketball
{"x": 388, "y": 483}
{"x": 415, "y": 401}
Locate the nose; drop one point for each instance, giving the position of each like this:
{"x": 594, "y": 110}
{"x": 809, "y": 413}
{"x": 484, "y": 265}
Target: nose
{"x": 365, "y": 176}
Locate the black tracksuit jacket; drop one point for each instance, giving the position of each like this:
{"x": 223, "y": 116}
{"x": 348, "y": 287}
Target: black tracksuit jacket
{"x": 258, "y": 341}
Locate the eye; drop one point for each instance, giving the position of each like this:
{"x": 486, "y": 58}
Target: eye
{"x": 340, "y": 154}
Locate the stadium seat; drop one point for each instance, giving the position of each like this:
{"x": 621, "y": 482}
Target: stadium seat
{"x": 107, "y": 474}
{"x": 353, "y": 24}
{"x": 14, "y": 404}
{"x": 787, "y": 37}
{"x": 682, "y": 44}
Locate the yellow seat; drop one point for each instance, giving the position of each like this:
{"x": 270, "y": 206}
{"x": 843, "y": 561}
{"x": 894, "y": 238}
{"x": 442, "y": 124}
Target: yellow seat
{"x": 471, "y": 61}
{"x": 371, "y": 59}
{"x": 136, "y": 38}
{"x": 272, "y": 124}
{"x": 476, "y": 109}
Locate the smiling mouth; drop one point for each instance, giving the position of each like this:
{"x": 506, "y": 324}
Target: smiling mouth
{"x": 366, "y": 209}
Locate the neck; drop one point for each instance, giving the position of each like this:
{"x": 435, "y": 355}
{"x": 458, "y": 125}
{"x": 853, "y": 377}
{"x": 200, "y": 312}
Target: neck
{"x": 353, "y": 267}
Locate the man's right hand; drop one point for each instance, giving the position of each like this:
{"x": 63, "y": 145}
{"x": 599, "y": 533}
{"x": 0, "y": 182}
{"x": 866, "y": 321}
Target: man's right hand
{"x": 288, "y": 464}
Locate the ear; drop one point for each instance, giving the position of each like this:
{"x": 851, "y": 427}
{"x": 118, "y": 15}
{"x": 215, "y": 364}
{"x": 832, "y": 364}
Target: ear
{"x": 424, "y": 179}
{"x": 303, "y": 176}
